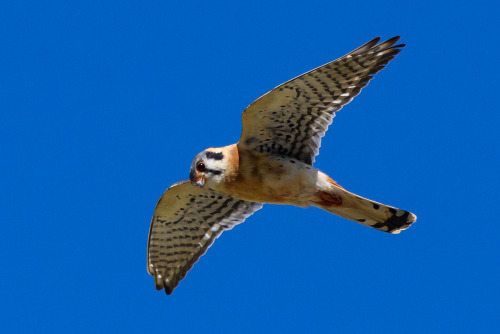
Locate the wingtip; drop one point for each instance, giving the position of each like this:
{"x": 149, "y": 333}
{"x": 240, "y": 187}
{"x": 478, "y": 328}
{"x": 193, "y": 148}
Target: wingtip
{"x": 394, "y": 39}
{"x": 390, "y": 44}
{"x": 375, "y": 45}
{"x": 161, "y": 284}
{"x": 158, "y": 281}
{"x": 168, "y": 290}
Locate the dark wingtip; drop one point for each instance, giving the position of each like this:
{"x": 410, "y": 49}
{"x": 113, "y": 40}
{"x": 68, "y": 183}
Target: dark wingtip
{"x": 390, "y": 44}
{"x": 393, "y": 40}
{"x": 376, "y": 46}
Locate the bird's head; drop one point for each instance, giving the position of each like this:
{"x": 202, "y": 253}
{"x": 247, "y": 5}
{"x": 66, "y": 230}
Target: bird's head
{"x": 208, "y": 168}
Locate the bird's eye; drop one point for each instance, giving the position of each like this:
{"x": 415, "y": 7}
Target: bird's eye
{"x": 200, "y": 167}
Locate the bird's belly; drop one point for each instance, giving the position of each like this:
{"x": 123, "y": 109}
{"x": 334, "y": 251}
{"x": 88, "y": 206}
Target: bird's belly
{"x": 276, "y": 181}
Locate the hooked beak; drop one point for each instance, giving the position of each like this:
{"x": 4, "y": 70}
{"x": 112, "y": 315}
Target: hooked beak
{"x": 200, "y": 182}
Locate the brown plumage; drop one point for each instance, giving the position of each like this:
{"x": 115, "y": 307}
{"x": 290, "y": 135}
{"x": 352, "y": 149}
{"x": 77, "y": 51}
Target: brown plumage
{"x": 271, "y": 163}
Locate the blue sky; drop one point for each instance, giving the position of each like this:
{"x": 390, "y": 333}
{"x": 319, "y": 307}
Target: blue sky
{"x": 104, "y": 104}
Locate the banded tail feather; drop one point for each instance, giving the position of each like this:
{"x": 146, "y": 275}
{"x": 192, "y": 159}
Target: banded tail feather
{"x": 367, "y": 212}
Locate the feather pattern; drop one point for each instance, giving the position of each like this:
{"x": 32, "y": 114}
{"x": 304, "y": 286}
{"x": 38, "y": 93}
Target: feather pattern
{"x": 185, "y": 223}
{"x": 271, "y": 163}
{"x": 292, "y": 118}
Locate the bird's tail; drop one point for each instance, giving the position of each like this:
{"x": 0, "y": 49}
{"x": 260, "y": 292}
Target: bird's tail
{"x": 362, "y": 210}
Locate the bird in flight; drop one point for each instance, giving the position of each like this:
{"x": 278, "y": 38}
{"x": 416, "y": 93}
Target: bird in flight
{"x": 271, "y": 163}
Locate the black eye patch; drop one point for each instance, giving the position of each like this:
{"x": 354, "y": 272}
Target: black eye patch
{"x": 215, "y": 155}
{"x": 213, "y": 171}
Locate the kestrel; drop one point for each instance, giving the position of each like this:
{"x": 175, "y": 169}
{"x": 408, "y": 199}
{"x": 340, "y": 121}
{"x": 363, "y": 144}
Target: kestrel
{"x": 271, "y": 163}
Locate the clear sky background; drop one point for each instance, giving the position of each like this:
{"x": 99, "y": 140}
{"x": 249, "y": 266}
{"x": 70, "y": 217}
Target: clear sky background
{"x": 104, "y": 104}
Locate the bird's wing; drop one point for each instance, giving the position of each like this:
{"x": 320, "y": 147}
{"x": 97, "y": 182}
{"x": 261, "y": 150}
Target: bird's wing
{"x": 292, "y": 118}
{"x": 185, "y": 223}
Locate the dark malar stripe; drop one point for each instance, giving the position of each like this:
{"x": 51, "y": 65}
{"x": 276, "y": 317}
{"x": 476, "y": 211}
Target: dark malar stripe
{"x": 213, "y": 171}
{"x": 215, "y": 155}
